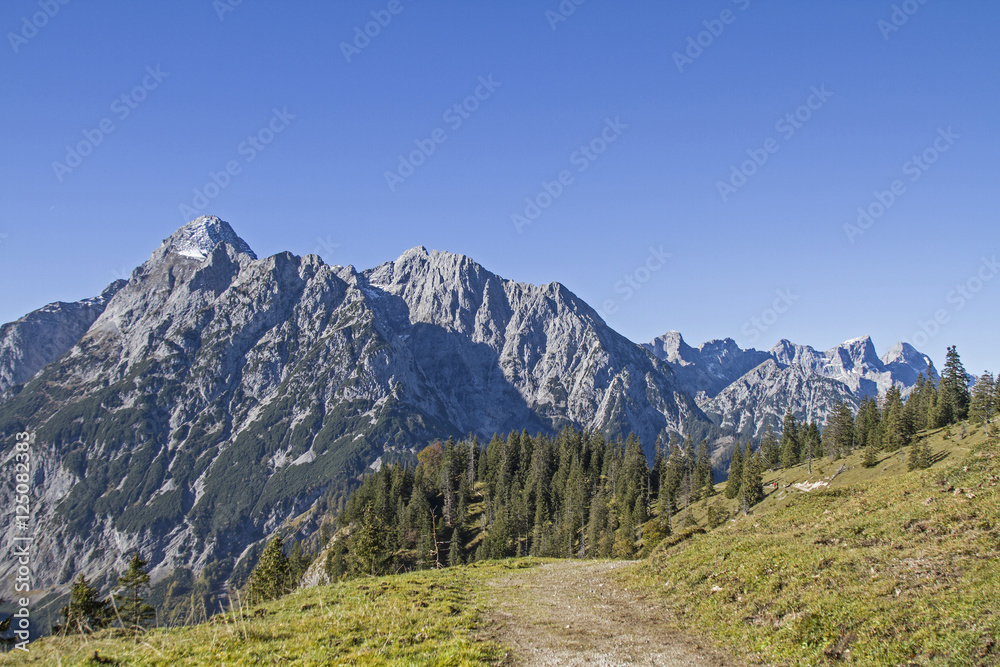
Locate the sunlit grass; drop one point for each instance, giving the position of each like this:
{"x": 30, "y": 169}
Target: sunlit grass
{"x": 423, "y": 618}
{"x": 881, "y": 567}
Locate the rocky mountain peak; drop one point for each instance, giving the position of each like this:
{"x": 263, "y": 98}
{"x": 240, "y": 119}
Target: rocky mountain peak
{"x": 199, "y": 237}
{"x": 859, "y": 350}
{"x": 906, "y": 362}
{"x": 671, "y": 348}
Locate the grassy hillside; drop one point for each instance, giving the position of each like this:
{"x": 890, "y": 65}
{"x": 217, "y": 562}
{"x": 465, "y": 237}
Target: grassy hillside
{"x": 425, "y": 618}
{"x": 875, "y": 566}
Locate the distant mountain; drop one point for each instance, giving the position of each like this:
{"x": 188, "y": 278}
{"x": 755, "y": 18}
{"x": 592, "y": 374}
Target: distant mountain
{"x": 743, "y": 390}
{"x": 761, "y": 396}
{"x": 216, "y": 396}
{"x": 856, "y": 364}
{"x": 44, "y": 335}
{"x": 708, "y": 368}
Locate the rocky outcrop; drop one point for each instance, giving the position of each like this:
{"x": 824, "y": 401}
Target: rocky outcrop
{"x": 743, "y": 390}
{"x": 44, "y": 335}
{"x": 218, "y": 396}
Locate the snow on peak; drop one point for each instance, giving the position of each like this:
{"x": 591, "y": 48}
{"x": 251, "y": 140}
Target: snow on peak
{"x": 199, "y": 237}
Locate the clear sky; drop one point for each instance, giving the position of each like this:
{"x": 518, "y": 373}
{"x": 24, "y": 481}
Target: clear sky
{"x": 694, "y": 164}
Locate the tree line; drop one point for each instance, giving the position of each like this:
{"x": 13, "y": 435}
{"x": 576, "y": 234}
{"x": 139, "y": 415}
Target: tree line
{"x": 888, "y": 424}
{"x": 573, "y": 494}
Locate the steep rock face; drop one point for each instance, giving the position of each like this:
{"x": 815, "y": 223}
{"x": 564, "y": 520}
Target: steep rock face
{"x": 212, "y": 399}
{"x": 744, "y": 389}
{"x": 506, "y": 353}
{"x": 906, "y": 363}
{"x": 44, "y": 335}
{"x": 766, "y": 392}
{"x": 856, "y": 364}
{"x": 708, "y": 368}
{"x": 218, "y": 396}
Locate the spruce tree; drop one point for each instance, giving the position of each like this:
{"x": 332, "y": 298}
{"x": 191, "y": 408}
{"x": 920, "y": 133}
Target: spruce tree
{"x": 704, "y": 471}
{"x": 838, "y": 435}
{"x": 894, "y": 430}
{"x": 86, "y": 611}
{"x": 913, "y": 406}
{"x": 982, "y": 407}
{"x": 752, "y": 489}
{"x": 812, "y": 445}
{"x": 735, "y": 473}
{"x": 130, "y": 606}
{"x": 867, "y": 427}
{"x": 769, "y": 448}
{"x": 269, "y": 580}
{"x": 370, "y": 547}
{"x": 298, "y": 563}
{"x": 954, "y": 388}
{"x": 789, "y": 440}
{"x": 870, "y": 457}
{"x": 919, "y": 455}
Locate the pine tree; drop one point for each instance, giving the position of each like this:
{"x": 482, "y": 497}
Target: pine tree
{"x": 812, "y": 446}
{"x": 920, "y": 455}
{"x": 769, "y": 448}
{"x": 704, "y": 472}
{"x": 954, "y": 389}
{"x": 86, "y": 611}
{"x": 894, "y": 430}
{"x": 269, "y": 580}
{"x": 867, "y": 427}
{"x": 870, "y": 458}
{"x": 130, "y": 606}
{"x": 916, "y": 404}
{"x": 298, "y": 563}
{"x": 752, "y": 489}
{"x": 982, "y": 406}
{"x": 789, "y": 440}
{"x": 735, "y": 473}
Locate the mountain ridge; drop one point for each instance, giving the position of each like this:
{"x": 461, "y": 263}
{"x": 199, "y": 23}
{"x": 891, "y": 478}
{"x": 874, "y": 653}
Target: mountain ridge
{"x": 215, "y": 397}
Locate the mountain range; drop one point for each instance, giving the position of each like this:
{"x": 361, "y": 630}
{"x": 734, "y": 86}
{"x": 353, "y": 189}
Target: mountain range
{"x": 215, "y": 398}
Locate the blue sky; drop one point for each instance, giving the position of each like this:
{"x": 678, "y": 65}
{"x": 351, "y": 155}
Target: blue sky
{"x": 711, "y": 154}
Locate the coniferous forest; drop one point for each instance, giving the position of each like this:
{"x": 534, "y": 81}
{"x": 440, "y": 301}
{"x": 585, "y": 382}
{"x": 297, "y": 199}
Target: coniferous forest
{"x": 577, "y": 495}
{"x": 571, "y": 495}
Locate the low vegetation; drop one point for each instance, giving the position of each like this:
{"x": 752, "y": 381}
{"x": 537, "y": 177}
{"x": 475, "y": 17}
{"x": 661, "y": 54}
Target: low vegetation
{"x": 876, "y": 566}
{"x": 425, "y": 618}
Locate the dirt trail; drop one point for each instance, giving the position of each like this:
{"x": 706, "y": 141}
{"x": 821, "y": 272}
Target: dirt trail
{"x": 572, "y": 613}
